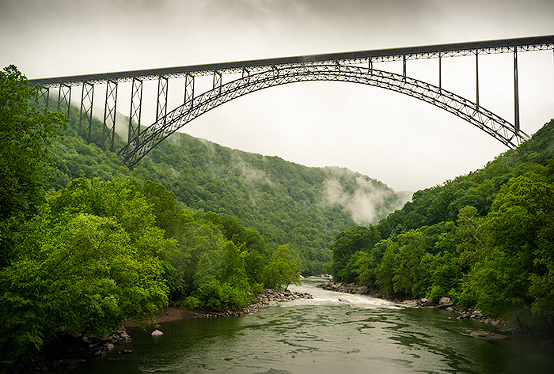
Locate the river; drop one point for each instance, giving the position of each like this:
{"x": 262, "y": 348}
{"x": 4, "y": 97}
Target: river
{"x": 332, "y": 333}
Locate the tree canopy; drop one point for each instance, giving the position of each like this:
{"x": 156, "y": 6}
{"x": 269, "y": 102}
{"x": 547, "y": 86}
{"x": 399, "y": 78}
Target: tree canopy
{"x": 25, "y": 164}
{"x": 484, "y": 239}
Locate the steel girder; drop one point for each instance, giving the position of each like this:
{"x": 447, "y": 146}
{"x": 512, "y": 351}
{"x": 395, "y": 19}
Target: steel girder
{"x": 535, "y": 43}
{"x": 480, "y": 117}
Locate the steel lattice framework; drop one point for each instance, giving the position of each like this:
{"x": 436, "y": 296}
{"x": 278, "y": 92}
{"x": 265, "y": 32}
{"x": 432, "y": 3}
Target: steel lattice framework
{"x": 455, "y": 104}
{"x": 353, "y": 67}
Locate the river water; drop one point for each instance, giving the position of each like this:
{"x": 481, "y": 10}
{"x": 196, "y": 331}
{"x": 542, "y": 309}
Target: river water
{"x": 332, "y": 333}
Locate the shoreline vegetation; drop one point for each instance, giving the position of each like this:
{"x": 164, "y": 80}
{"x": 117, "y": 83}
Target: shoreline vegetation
{"x": 269, "y": 297}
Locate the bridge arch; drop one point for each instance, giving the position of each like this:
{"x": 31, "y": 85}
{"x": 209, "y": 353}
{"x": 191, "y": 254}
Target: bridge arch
{"x": 478, "y": 116}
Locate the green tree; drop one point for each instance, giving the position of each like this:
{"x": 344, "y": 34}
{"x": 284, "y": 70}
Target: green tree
{"x": 25, "y": 164}
{"x": 511, "y": 275}
{"x": 83, "y": 272}
{"x": 410, "y": 277}
{"x": 384, "y": 272}
{"x": 345, "y": 245}
{"x": 281, "y": 271}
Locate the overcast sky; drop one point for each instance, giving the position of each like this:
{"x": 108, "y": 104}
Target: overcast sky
{"x": 399, "y": 140}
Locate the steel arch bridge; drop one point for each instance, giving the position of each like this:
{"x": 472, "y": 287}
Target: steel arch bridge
{"x": 255, "y": 75}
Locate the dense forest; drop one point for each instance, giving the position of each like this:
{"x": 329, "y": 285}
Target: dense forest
{"x": 485, "y": 239}
{"x": 87, "y": 243}
{"x": 287, "y": 203}
{"x": 82, "y": 258}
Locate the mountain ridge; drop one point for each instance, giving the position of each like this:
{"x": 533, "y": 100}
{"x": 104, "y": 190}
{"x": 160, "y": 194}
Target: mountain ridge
{"x": 286, "y": 202}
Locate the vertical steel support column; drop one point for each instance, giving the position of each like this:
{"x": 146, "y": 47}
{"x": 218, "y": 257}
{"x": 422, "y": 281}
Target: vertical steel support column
{"x": 136, "y": 110}
{"x": 218, "y": 79}
{"x": 43, "y": 96}
{"x": 87, "y": 96}
{"x": 477, "y": 77}
{"x": 440, "y": 71}
{"x": 516, "y": 94}
{"x": 404, "y": 68}
{"x": 189, "y": 89}
{"x": 109, "y": 114}
{"x": 370, "y": 65}
{"x": 64, "y": 98}
{"x": 161, "y": 109}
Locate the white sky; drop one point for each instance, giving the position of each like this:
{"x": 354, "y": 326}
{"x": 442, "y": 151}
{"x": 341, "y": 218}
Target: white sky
{"x": 399, "y": 140}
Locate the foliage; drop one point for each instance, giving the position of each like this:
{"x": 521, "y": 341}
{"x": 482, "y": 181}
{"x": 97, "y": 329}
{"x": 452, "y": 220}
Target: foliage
{"x": 25, "y": 164}
{"x": 484, "y": 239}
{"x": 285, "y": 202}
{"x": 281, "y": 271}
{"x": 103, "y": 247}
{"x": 89, "y": 260}
{"x": 346, "y": 245}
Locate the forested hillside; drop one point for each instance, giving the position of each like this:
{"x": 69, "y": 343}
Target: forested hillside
{"x": 287, "y": 203}
{"x": 80, "y": 260}
{"x": 485, "y": 239}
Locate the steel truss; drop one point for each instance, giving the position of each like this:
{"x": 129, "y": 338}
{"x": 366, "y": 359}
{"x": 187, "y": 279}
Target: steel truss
{"x": 43, "y": 96}
{"x": 64, "y": 99}
{"x": 470, "y": 111}
{"x": 161, "y": 108}
{"x": 109, "y": 115}
{"x": 264, "y": 73}
{"x": 85, "y": 116}
{"x": 136, "y": 109}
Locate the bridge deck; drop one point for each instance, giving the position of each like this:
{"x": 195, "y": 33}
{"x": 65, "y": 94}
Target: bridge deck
{"x": 379, "y": 55}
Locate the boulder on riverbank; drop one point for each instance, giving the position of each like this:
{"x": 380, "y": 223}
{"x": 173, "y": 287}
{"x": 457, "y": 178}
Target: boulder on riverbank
{"x": 352, "y": 288}
{"x": 268, "y": 298}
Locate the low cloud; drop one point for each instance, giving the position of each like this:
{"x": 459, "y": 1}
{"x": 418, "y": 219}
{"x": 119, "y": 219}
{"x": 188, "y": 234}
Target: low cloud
{"x": 364, "y": 198}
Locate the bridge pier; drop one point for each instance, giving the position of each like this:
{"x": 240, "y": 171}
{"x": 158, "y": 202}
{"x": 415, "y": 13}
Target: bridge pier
{"x": 64, "y": 99}
{"x": 440, "y": 71}
{"x": 135, "y": 111}
{"x": 217, "y": 81}
{"x": 161, "y": 107}
{"x": 189, "y": 90}
{"x": 43, "y": 96}
{"x": 477, "y": 78}
{"x": 87, "y": 98}
{"x": 516, "y": 93}
{"x": 109, "y": 114}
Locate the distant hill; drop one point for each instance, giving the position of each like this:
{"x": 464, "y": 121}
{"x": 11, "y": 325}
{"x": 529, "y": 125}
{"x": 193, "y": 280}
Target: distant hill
{"x": 286, "y": 202}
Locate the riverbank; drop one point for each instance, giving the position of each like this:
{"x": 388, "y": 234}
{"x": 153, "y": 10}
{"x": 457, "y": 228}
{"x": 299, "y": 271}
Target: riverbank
{"x": 71, "y": 351}
{"x": 267, "y": 298}
{"x": 444, "y": 303}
